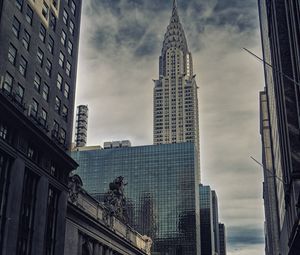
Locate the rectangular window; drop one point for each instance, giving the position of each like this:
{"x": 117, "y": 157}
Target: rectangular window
{"x": 52, "y": 21}
{"x": 40, "y": 56}
{"x": 50, "y": 44}
{"x": 42, "y": 33}
{"x": 50, "y": 237}
{"x": 26, "y": 219}
{"x": 29, "y": 15}
{"x": 8, "y": 82}
{"x": 68, "y": 69}
{"x": 63, "y": 37}
{"x": 65, "y": 112}
{"x": 67, "y": 90}
{"x": 19, "y": 4}
{"x": 12, "y": 53}
{"x": 48, "y": 68}
{"x": 34, "y": 108}
{"x": 26, "y": 40}
{"x": 16, "y": 27}
{"x": 65, "y": 17}
{"x": 61, "y": 60}
{"x": 3, "y": 132}
{"x": 71, "y": 27}
{"x": 23, "y": 66}
{"x": 44, "y": 116}
{"x": 57, "y": 105}
{"x": 37, "y": 82}
{"x": 73, "y": 8}
{"x": 45, "y": 93}
{"x": 59, "y": 81}
{"x": 55, "y": 4}
{"x": 20, "y": 94}
{"x": 45, "y": 10}
{"x": 55, "y": 129}
{"x": 70, "y": 48}
{"x": 62, "y": 136}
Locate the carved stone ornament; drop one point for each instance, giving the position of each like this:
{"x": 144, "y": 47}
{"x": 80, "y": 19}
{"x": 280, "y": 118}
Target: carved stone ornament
{"x": 75, "y": 186}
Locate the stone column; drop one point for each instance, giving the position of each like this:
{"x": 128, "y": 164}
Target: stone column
{"x": 14, "y": 200}
{"x": 100, "y": 249}
{"x": 40, "y": 216}
{"x": 61, "y": 223}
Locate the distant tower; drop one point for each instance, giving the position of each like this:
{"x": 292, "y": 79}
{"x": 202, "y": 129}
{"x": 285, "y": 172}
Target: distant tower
{"x": 81, "y": 125}
{"x": 175, "y": 92}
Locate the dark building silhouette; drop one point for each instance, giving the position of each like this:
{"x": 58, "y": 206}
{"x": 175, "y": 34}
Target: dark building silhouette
{"x": 280, "y": 31}
{"x": 38, "y": 61}
{"x": 222, "y": 236}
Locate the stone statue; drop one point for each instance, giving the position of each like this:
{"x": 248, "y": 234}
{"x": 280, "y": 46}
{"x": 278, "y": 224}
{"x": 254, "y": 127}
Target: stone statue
{"x": 115, "y": 199}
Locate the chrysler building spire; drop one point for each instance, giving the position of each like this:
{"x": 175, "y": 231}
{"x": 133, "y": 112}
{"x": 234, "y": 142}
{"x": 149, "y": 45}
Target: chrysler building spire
{"x": 175, "y": 92}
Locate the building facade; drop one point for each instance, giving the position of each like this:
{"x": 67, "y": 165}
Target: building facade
{"x": 81, "y": 128}
{"x": 34, "y": 132}
{"x": 206, "y": 222}
{"x": 222, "y": 235}
{"x": 162, "y": 191}
{"x": 175, "y": 92}
{"x": 215, "y": 211}
{"x": 269, "y": 185}
{"x": 91, "y": 230}
{"x": 280, "y": 40}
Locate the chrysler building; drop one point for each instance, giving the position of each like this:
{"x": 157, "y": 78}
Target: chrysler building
{"x": 175, "y": 92}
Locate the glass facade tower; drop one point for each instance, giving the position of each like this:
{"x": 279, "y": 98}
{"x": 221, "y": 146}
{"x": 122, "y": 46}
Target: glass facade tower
{"x": 162, "y": 191}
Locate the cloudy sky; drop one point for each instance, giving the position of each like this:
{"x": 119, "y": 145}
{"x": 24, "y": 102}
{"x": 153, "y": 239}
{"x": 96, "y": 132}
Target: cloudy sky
{"x": 120, "y": 45}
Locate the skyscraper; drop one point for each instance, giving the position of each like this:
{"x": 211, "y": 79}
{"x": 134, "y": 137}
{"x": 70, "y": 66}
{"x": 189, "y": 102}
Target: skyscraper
{"x": 280, "y": 30}
{"x": 215, "y": 210}
{"x": 38, "y": 61}
{"x": 82, "y": 116}
{"x": 175, "y": 92}
{"x": 222, "y": 234}
{"x": 162, "y": 191}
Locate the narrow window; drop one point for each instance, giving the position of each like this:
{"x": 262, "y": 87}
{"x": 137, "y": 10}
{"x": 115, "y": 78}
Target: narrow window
{"x": 65, "y": 17}
{"x": 70, "y": 48}
{"x": 57, "y": 105}
{"x": 19, "y": 4}
{"x": 59, "y": 81}
{"x": 20, "y": 93}
{"x": 45, "y": 10}
{"x": 48, "y": 68}
{"x": 73, "y": 8}
{"x": 50, "y": 44}
{"x": 42, "y": 33}
{"x": 40, "y": 56}
{"x": 37, "y": 82}
{"x": 45, "y": 93}
{"x": 68, "y": 69}
{"x": 12, "y": 53}
{"x": 16, "y": 27}
{"x": 71, "y": 27}
{"x": 67, "y": 91}
{"x": 65, "y": 112}
{"x": 34, "y": 108}
{"x": 63, "y": 37}
{"x": 26, "y": 40}
{"x": 29, "y": 15}
{"x": 61, "y": 60}
{"x": 23, "y": 66}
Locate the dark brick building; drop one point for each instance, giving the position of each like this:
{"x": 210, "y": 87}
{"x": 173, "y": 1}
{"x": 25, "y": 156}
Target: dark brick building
{"x": 38, "y": 62}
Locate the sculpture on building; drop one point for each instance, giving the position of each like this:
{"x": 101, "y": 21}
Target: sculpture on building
{"x": 75, "y": 186}
{"x": 115, "y": 199}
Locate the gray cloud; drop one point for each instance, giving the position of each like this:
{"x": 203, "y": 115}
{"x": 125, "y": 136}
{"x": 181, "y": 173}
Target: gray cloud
{"x": 120, "y": 45}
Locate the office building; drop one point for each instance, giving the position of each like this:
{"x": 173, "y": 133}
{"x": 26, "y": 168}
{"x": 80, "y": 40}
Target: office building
{"x": 269, "y": 185}
{"x": 206, "y": 221}
{"x": 222, "y": 235}
{"x": 92, "y": 230}
{"x": 162, "y": 191}
{"x": 38, "y": 60}
{"x": 215, "y": 211}
{"x": 279, "y": 22}
{"x": 175, "y": 92}
{"x": 82, "y": 116}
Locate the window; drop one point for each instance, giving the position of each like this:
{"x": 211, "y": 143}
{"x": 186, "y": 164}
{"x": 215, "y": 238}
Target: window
{"x": 37, "y": 82}
{"x": 65, "y": 112}
{"x": 8, "y": 82}
{"x": 23, "y": 66}
{"x": 12, "y": 53}
{"x": 55, "y": 129}
{"x": 29, "y": 15}
{"x": 59, "y": 81}
{"x": 45, "y": 10}
{"x": 34, "y": 108}
{"x": 42, "y": 33}
{"x": 71, "y": 27}
{"x": 52, "y": 21}
{"x": 3, "y": 135}
{"x": 50, "y": 44}
{"x": 48, "y": 67}
{"x": 63, "y": 38}
{"x": 19, "y": 4}
{"x": 26, "y": 40}
{"x": 65, "y": 17}
{"x": 55, "y": 3}
{"x": 73, "y": 8}
{"x": 68, "y": 68}
{"x": 45, "y": 93}
{"x": 16, "y": 27}
{"x": 62, "y": 136}
{"x": 61, "y": 60}
{"x": 40, "y": 56}
{"x": 67, "y": 91}
{"x": 43, "y": 118}
{"x": 70, "y": 48}
{"x": 20, "y": 93}
{"x": 57, "y": 105}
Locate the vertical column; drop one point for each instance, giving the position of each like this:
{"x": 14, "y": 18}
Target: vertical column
{"x": 61, "y": 223}
{"x": 40, "y": 216}
{"x": 13, "y": 206}
{"x": 100, "y": 249}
